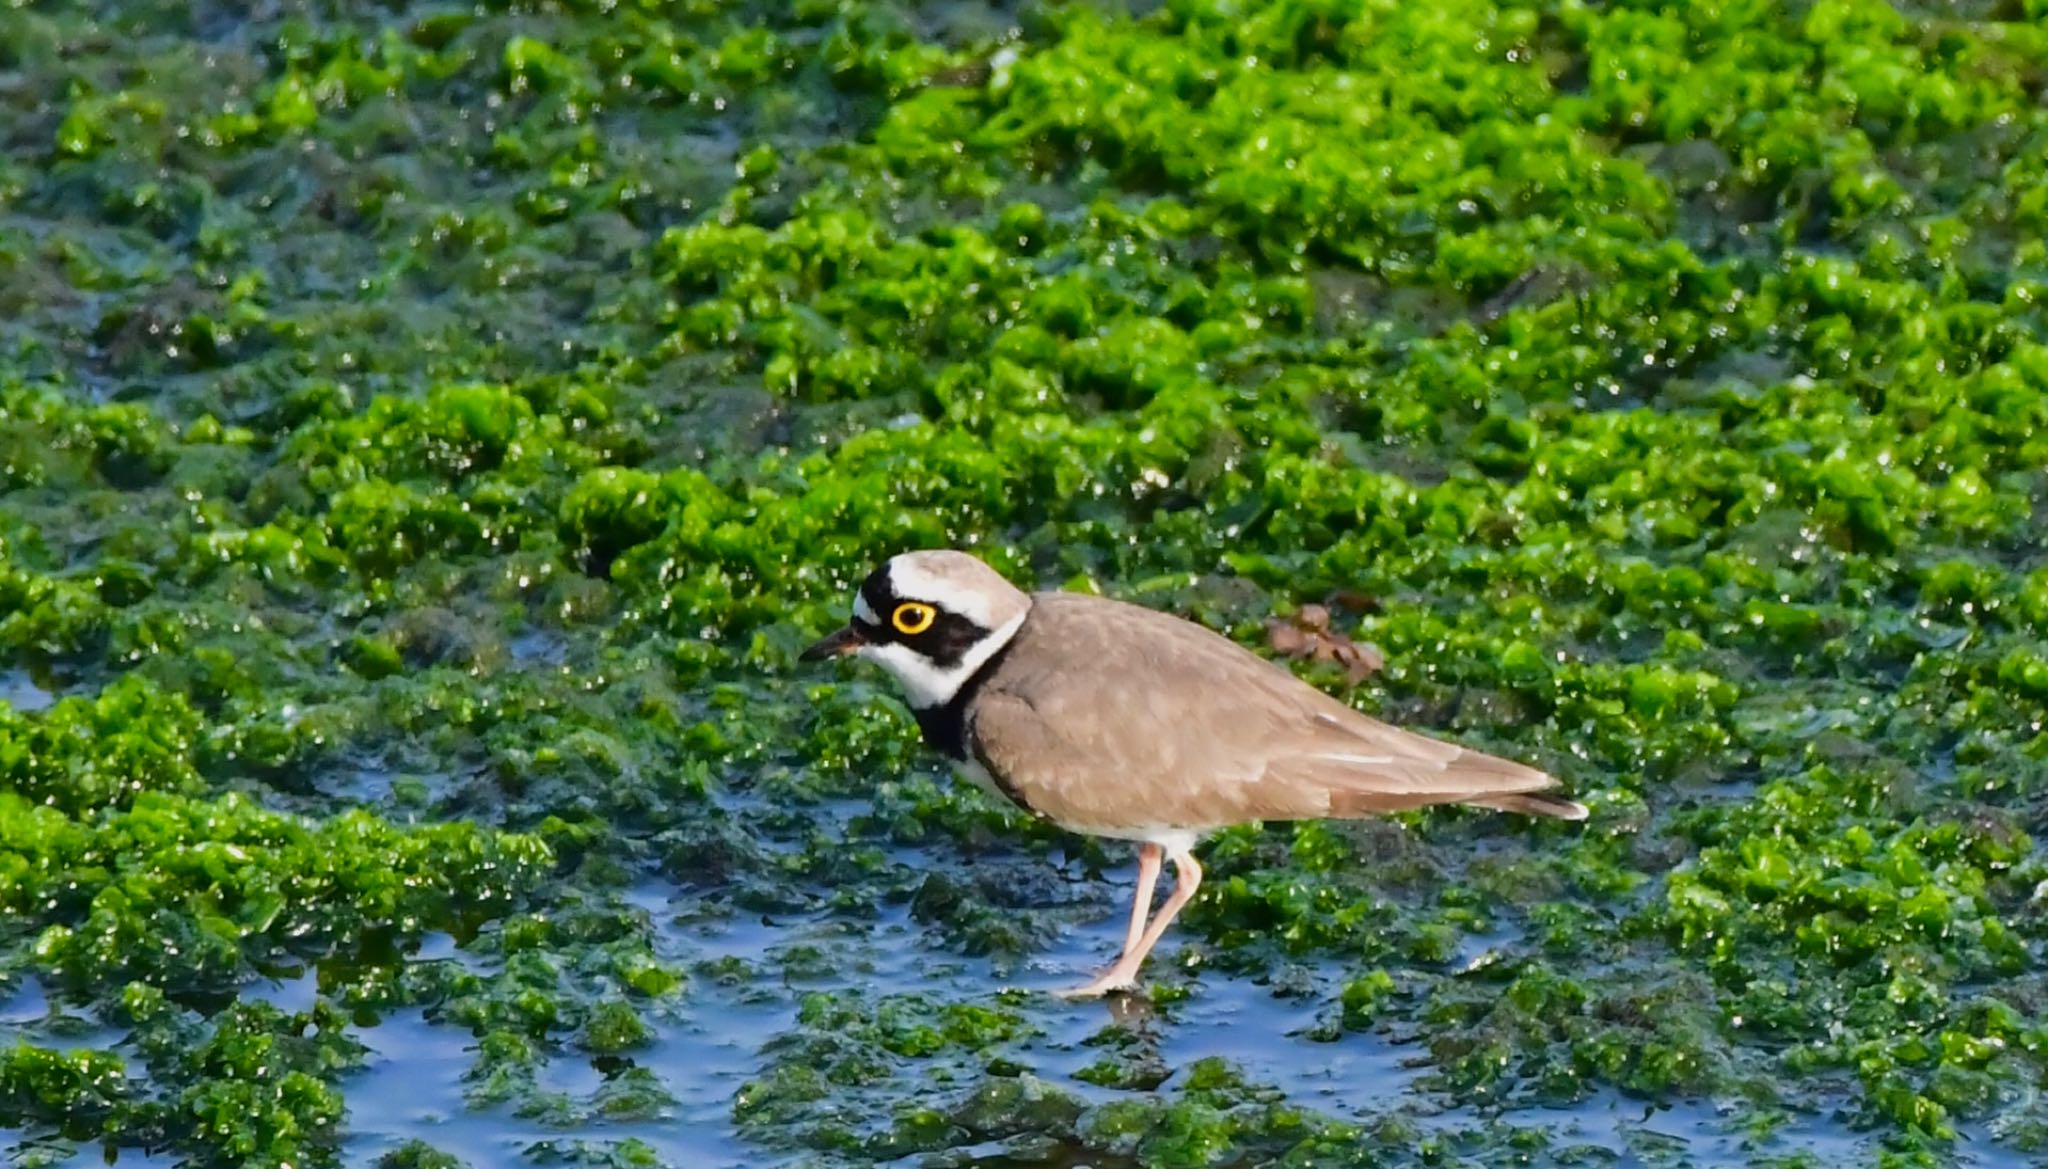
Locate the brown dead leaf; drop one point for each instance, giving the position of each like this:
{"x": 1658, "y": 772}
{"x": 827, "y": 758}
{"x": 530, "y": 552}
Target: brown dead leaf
{"x": 1308, "y": 635}
{"x": 1286, "y": 639}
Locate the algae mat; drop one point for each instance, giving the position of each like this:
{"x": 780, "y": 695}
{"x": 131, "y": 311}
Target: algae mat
{"x": 428, "y": 432}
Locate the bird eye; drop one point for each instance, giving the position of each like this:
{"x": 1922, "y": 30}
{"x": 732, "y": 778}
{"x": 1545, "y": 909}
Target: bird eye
{"x": 912, "y": 618}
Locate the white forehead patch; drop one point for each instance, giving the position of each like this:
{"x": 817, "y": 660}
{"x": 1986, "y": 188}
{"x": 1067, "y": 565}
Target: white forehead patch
{"x": 911, "y": 580}
{"x": 862, "y": 611}
{"x": 986, "y": 602}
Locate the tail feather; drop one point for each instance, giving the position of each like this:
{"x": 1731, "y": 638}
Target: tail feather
{"x": 1533, "y": 805}
{"x": 1376, "y": 769}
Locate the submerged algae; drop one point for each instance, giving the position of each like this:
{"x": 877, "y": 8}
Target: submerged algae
{"x": 426, "y": 438}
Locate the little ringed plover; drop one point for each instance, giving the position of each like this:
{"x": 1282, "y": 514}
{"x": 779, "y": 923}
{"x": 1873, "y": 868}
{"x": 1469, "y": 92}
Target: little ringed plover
{"x": 1115, "y": 720}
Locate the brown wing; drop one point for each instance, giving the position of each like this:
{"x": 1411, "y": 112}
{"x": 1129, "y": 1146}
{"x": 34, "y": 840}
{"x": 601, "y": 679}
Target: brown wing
{"x": 1166, "y": 724}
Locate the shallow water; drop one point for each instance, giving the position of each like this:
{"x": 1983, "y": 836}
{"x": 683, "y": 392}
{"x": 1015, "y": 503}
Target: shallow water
{"x": 22, "y": 692}
{"x": 429, "y": 432}
{"x": 709, "y": 1046}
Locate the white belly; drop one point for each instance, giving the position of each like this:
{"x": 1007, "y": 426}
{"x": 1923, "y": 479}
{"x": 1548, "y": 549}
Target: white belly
{"x": 973, "y": 772}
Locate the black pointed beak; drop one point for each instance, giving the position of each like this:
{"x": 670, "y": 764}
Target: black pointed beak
{"x": 834, "y": 645}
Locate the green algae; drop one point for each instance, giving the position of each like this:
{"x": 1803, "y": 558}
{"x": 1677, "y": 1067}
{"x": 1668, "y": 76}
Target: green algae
{"x": 427, "y": 437}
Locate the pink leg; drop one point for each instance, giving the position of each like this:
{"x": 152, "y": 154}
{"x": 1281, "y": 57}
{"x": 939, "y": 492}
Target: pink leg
{"x": 1187, "y": 877}
{"x": 1149, "y": 857}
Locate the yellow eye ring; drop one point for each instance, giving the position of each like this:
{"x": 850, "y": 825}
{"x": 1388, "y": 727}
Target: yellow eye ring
{"x": 911, "y": 618}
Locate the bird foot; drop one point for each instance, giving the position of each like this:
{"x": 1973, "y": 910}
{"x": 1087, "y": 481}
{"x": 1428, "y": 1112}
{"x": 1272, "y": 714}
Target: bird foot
{"x": 1116, "y": 978}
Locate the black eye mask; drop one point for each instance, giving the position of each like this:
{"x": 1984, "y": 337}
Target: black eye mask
{"x": 945, "y": 641}
{"x": 948, "y": 639}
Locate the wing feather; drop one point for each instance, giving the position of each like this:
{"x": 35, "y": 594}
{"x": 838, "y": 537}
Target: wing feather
{"x": 1173, "y": 726}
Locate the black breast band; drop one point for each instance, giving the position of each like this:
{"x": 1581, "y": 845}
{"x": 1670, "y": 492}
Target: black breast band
{"x": 945, "y": 726}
